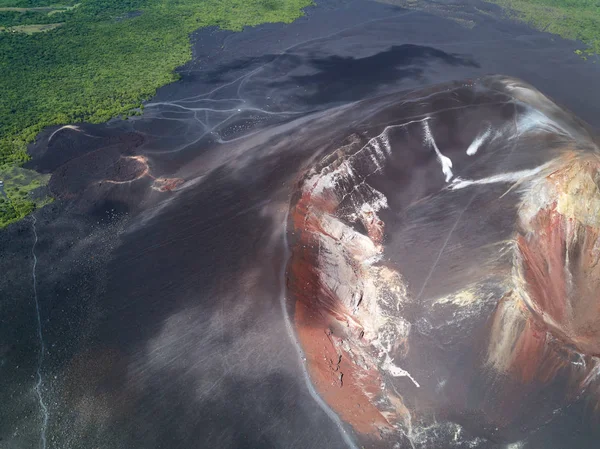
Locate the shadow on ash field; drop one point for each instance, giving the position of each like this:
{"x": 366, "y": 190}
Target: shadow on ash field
{"x": 161, "y": 268}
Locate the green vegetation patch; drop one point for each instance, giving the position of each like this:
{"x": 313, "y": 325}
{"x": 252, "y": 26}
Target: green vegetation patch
{"x": 105, "y": 58}
{"x": 21, "y": 191}
{"x": 571, "y": 19}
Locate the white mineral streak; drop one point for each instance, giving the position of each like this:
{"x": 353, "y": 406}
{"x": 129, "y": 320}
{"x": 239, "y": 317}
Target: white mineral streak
{"x": 444, "y": 161}
{"x": 510, "y": 177}
{"x": 396, "y": 371}
{"x": 386, "y": 144}
{"x": 71, "y": 127}
{"x": 478, "y": 141}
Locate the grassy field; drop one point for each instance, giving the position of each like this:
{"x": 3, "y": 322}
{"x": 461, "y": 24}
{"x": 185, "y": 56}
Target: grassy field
{"x": 572, "y": 19}
{"x": 98, "y": 65}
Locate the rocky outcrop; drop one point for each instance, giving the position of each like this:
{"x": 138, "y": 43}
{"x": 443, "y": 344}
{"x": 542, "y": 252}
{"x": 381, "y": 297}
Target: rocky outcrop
{"x": 551, "y": 320}
{"x": 346, "y": 310}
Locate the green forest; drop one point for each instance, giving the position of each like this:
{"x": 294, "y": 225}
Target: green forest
{"x": 100, "y": 60}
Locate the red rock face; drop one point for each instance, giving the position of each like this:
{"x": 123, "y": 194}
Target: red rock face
{"x": 551, "y": 321}
{"x": 340, "y": 312}
{"x": 559, "y": 254}
{"x": 329, "y": 336}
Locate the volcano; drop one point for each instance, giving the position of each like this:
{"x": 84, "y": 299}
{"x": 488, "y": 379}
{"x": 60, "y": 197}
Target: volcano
{"x": 444, "y": 265}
